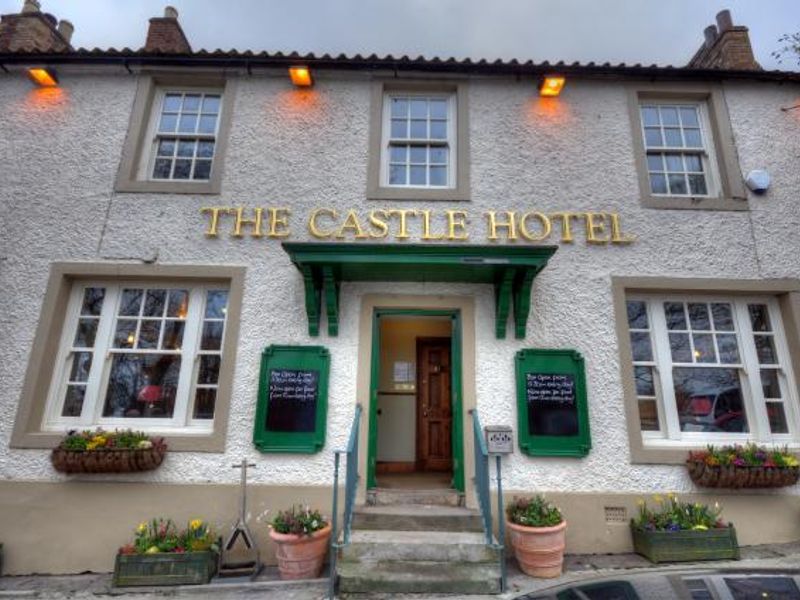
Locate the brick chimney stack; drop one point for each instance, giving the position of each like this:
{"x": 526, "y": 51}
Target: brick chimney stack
{"x": 31, "y": 29}
{"x": 165, "y": 35}
{"x": 726, "y": 46}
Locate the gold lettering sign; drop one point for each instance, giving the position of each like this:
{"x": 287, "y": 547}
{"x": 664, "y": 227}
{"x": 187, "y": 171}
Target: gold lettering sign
{"x": 426, "y": 225}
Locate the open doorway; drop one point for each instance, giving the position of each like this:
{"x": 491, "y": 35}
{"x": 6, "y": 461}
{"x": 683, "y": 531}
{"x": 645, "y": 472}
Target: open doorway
{"x": 416, "y": 380}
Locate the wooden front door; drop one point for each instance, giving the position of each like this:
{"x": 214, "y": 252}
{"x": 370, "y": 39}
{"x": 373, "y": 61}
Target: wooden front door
{"x": 434, "y": 408}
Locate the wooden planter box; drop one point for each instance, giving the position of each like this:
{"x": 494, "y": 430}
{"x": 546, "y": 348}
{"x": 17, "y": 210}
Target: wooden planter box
{"x": 686, "y": 545}
{"x": 109, "y": 460}
{"x": 741, "y": 477}
{"x": 165, "y": 568}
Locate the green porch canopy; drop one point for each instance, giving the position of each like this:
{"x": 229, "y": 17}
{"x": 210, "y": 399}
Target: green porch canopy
{"x": 510, "y": 269}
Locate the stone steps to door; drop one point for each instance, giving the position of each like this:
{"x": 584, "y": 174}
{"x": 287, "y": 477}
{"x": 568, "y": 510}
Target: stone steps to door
{"x": 417, "y": 517}
{"x": 432, "y": 546}
{"x": 390, "y": 496}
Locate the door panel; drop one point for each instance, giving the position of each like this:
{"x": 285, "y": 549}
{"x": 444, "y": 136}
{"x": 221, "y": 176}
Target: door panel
{"x": 434, "y": 409}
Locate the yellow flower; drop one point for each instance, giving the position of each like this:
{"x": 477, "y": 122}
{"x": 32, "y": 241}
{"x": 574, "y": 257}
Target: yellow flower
{"x": 195, "y": 524}
{"x": 142, "y": 527}
{"x": 700, "y": 528}
{"x": 658, "y": 498}
{"x": 791, "y": 461}
{"x": 672, "y": 496}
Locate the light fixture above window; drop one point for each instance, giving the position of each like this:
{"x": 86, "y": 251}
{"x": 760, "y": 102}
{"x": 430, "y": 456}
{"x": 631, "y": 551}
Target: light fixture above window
{"x": 301, "y": 76}
{"x": 43, "y": 76}
{"x": 551, "y": 85}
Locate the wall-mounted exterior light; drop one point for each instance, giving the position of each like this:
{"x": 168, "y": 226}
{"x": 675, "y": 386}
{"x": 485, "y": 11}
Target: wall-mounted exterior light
{"x": 43, "y": 77}
{"x": 301, "y": 76}
{"x": 551, "y": 85}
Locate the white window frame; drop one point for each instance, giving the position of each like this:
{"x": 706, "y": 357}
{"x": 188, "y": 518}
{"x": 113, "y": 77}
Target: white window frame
{"x": 707, "y": 153}
{"x": 152, "y": 135}
{"x": 670, "y": 434}
{"x": 91, "y": 415}
{"x": 450, "y": 142}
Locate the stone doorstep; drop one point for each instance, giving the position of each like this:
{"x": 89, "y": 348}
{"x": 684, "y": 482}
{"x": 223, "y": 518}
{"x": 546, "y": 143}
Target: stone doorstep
{"x": 390, "y": 496}
{"x": 417, "y": 517}
{"x": 442, "y": 546}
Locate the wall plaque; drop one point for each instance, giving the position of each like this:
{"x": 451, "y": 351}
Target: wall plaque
{"x": 292, "y": 399}
{"x": 551, "y": 403}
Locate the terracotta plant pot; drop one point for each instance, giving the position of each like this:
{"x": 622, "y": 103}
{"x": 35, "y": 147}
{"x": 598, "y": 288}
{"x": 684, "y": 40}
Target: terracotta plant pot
{"x": 301, "y": 556}
{"x": 539, "y": 550}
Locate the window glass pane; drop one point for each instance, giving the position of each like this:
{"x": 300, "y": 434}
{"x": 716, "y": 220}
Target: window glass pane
{"x": 777, "y": 417}
{"x": 397, "y": 175}
{"x": 419, "y": 109}
{"x": 723, "y": 317}
{"x": 417, "y": 176}
{"x": 652, "y": 137}
{"x": 759, "y": 317}
{"x": 419, "y": 129}
{"x": 693, "y": 163}
{"x": 178, "y": 303}
{"x": 131, "y": 302}
{"x": 398, "y": 154}
{"x": 438, "y": 109}
{"x": 673, "y": 138}
{"x": 149, "y": 332}
{"x": 209, "y": 369}
{"x": 438, "y": 130}
{"x": 93, "y": 301}
{"x": 693, "y": 138}
{"x": 211, "y": 104}
{"x": 669, "y": 115}
{"x": 643, "y": 377}
{"x": 677, "y": 184}
{"x": 154, "y": 303}
{"x": 648, "y": 415}
{"x": 125, "y": 334}
{"x": 204, "y": 401}
{"x": 728, "y": 348}
{"x": 86, "y": 332}
{"x": 704, "y": 348}
{"x": 399, "y": 107}
{"x": 166, "y": 147}
{"x": 205, "y": 149}
{"x": 765, "y": 348}
{"x": 216, "y": 304}
{"x": 202, "y": 169}
{"x": 679, "y": 347}
{"x": 186, "y": 148}
{"x": 399, "y": 128}
{"x": 674, "y": 162}
{"x": 658, "y": 183}
{"x": 676, "y": 319}
{"x": 709, "y": 399}
{"x": 172, "y": 103}
{"x": 418, "y": 154}
{"x": 438, "y": 176}
{"x": 438, "y": 155}
{"x": 187, "y": 123}
{"x": 637, "y": 314}
{"x": 191, "y": 103}
{"x": 655, "y": 162}
{"x": 168, "y": 123}
{"x": 81, "y": 363}
{"x": 73, "y": 401}
{"x": 162, "y": 168}
{"x": 689, "y": 116}
{"x": 182, "y": 169}
{"x": 769, "y": 383}
{"x": 142, "y": 385}
{"x": 698, "y": 316}
{"x": 640, "y": 346}
{"x": 650, "y": 115}
{"x": 697, "y": 185}
{"x": 208, "y": 124}
{"x": 212, "y": 335}
{"x": 173, "y": 335}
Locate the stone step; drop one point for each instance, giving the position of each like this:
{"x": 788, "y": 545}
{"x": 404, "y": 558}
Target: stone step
{"x": 419, "y": 577}
{"x": 383, "y": 545}
{"x": 441, "y": 497}
{"x": 417, "y": 517}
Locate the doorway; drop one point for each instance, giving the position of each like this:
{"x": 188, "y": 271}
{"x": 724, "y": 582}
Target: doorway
{"x": 415, "y": 434}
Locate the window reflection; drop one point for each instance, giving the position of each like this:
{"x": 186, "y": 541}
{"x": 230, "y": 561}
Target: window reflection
{"x": 142, "y": 386}
{"x": 709, "y": 399}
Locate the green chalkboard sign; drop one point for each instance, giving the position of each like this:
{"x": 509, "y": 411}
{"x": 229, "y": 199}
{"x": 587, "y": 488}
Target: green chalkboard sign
{"x": 292, "y": 399}
{"x": 552, "y": 413}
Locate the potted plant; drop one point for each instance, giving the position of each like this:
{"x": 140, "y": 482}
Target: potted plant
{"x": 749, "y": 466}
{"x": 301, "y": 536}
{"x": 108, "y": 452}
{"x": 537, "y": 532}
{"x": 163, "y": 555}
{"x": 682, "y": 531}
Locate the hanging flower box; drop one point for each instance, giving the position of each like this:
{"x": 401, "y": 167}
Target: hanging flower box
{"x": 108, "y": 452}
{"x": 748, "y": 466}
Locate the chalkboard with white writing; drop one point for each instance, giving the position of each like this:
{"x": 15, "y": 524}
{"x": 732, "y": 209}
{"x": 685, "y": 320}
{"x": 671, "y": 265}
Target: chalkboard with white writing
{"x": 292, "y": 400}
{"x": 552, "y": 409}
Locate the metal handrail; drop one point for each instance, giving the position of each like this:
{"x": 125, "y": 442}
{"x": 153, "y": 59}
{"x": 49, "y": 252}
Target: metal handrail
{"x": 482, "y": 490}
{"x": 350, "y": 488}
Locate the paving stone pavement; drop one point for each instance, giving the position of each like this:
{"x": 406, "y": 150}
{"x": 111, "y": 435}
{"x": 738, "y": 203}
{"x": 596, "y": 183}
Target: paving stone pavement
{"x": 577, "y": 568}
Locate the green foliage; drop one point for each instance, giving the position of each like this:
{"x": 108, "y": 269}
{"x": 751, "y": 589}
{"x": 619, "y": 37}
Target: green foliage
{"x": 749, "y": 455}
{"x": 533, "y": 512}
{"x": 298, "y": 521}
{"x": 672, "y": 515}
{"x": 161, "y": 535}
{"x": 101, "y": 439}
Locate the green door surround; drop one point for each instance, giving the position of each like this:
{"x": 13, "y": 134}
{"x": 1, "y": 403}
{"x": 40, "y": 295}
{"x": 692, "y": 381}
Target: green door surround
{"x": 511, "y": 269}
{"x": 457, "y": 398}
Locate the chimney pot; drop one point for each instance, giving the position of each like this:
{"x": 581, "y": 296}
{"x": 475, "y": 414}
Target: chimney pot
{"x": 66, "y": 28}
{"x": 724, "y": 20}
{"x": 170, "y": 12}
{"x": 710, "y": 33}
{"x": 31, "y": 6}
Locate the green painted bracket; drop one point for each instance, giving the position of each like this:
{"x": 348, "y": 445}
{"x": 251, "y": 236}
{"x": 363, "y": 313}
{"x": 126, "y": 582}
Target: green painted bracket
{"x": 331, "y": 287}
{"x": 502, "y": 294}
{"x": 522, "y": 301}
{"x": 313, "y": 298}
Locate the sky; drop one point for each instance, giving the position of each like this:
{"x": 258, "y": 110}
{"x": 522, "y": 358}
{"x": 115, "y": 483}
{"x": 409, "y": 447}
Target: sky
{"x": 647, "y": 31}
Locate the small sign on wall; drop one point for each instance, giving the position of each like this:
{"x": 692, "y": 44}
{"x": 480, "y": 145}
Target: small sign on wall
{"x": 551, "y": 403}
{"x": 291, "y": 412}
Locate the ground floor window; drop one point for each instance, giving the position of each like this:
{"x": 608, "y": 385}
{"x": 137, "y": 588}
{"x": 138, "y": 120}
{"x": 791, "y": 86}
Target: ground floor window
{"x": 711, "y": 369}
{"x": 139, "y": 355}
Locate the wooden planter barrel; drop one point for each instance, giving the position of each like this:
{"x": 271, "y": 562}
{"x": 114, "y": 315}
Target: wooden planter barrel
{"x": 165, "y": 568}
{"x": 109, "y": 460}
{"x": 686, "y": 545}
{"x": 730, "y": 476}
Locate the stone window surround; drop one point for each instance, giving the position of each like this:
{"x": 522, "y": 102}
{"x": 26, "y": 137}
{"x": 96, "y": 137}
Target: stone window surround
{"x": 461, "y": 191}
{"x": 732, "y": 194}
{"x": 787, "y": 293}
{"x": 27, "y": 432}
{"x": 136, "y": 148}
